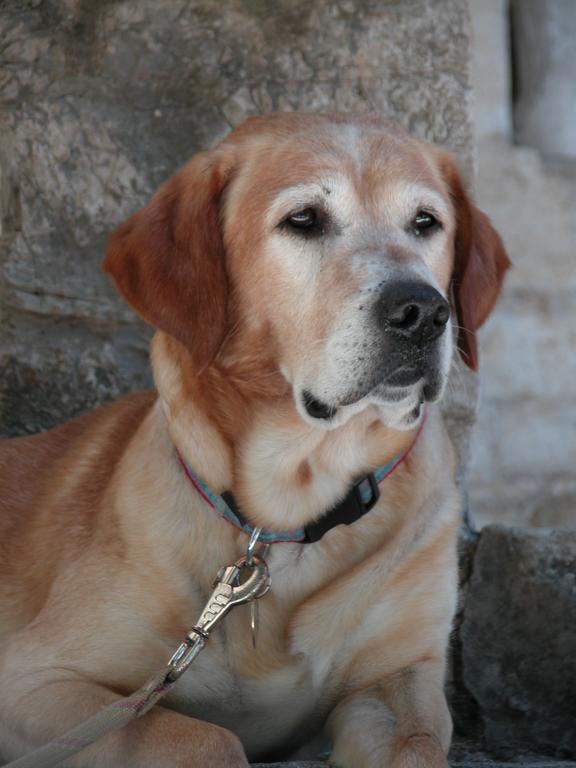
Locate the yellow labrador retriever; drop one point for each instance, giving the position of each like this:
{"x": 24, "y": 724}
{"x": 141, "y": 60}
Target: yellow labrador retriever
{"x": 299, "y": 277}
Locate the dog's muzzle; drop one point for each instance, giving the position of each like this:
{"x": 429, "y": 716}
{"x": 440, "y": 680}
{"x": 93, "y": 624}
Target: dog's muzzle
{"x": 408, "y": 321}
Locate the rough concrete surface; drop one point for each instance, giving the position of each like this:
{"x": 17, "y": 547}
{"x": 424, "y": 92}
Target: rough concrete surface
{"x": 101, "y": 100}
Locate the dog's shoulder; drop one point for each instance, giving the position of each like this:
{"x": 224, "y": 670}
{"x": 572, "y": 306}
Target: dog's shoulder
{"x": 30, "y": 463}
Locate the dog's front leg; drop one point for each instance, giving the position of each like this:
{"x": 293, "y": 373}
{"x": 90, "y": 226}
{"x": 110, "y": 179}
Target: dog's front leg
{"x": 402, "y": 722}
{"x": 30, "y": 718}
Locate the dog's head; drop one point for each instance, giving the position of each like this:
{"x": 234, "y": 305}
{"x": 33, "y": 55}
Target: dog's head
{"x": 338, "y": 239}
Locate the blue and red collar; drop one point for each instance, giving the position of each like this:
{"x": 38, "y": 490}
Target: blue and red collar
{"x": 359, "y": 500}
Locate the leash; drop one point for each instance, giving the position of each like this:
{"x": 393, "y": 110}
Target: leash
{"x": 247, "y": 580}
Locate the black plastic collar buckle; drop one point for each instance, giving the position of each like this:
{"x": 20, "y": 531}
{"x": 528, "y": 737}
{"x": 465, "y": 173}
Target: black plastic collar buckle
{"x": 351, "y": 508}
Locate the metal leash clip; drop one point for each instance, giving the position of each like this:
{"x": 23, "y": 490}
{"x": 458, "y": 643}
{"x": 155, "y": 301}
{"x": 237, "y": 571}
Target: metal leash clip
{"x": 247, "y": 580}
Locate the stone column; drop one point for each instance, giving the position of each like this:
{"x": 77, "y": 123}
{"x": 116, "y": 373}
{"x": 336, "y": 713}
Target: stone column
{"x": 544, "y": 44}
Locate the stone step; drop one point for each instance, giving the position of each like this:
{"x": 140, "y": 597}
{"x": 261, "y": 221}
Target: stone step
{"x": 473, "y": 760}
{"x": 483, "y": 762}
{"x": 463, "y": 754}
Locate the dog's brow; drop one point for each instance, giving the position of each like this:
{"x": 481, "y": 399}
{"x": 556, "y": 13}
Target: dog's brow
{"x": 409, "y": 194}
{"x": 300, "y": 195}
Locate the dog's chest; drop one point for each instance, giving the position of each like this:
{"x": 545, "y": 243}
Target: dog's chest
{"x": 269, "y": 695}
{"x": 265, "y": 708}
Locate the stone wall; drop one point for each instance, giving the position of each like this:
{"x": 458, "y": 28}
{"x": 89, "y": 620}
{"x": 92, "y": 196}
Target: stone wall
{"x": 524, "y": 448}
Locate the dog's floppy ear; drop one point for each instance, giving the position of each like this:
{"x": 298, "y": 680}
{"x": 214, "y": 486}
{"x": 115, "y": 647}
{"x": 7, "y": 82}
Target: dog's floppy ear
{"x": 480, "y": 262}
{"x": 168, "y": 259}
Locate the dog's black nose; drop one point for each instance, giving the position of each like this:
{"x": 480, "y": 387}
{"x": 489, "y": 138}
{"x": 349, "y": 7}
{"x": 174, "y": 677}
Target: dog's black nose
{"x": 413, "y": 310}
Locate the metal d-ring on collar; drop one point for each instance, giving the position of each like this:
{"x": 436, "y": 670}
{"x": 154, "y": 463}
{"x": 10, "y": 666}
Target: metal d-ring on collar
{"x": 254, "y": 536}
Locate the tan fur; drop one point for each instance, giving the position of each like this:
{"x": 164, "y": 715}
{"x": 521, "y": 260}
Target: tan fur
{"x": 107, "y": 552}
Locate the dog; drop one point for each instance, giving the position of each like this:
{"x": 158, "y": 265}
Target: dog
{"x": 307, "y": 279}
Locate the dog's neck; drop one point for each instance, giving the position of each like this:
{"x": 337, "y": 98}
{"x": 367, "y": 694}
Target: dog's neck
{"x": 244, "y": 434}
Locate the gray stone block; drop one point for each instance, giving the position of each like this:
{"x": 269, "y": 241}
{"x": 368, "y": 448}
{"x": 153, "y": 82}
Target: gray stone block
{"x": 519, "y": 639}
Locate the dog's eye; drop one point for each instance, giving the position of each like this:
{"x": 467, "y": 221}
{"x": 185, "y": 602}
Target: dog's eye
{"x": 304, "y": 219}
{"x": 424, "y": 224}
{"x": 308, "y": 222}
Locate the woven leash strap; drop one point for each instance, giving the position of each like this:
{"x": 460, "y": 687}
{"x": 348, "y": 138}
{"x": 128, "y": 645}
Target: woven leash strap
{"x": 111, "y": 718}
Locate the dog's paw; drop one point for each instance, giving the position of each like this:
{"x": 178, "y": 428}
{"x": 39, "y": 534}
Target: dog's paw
{"x": 219, "y": 748}
{"x": 420, "y": 752}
